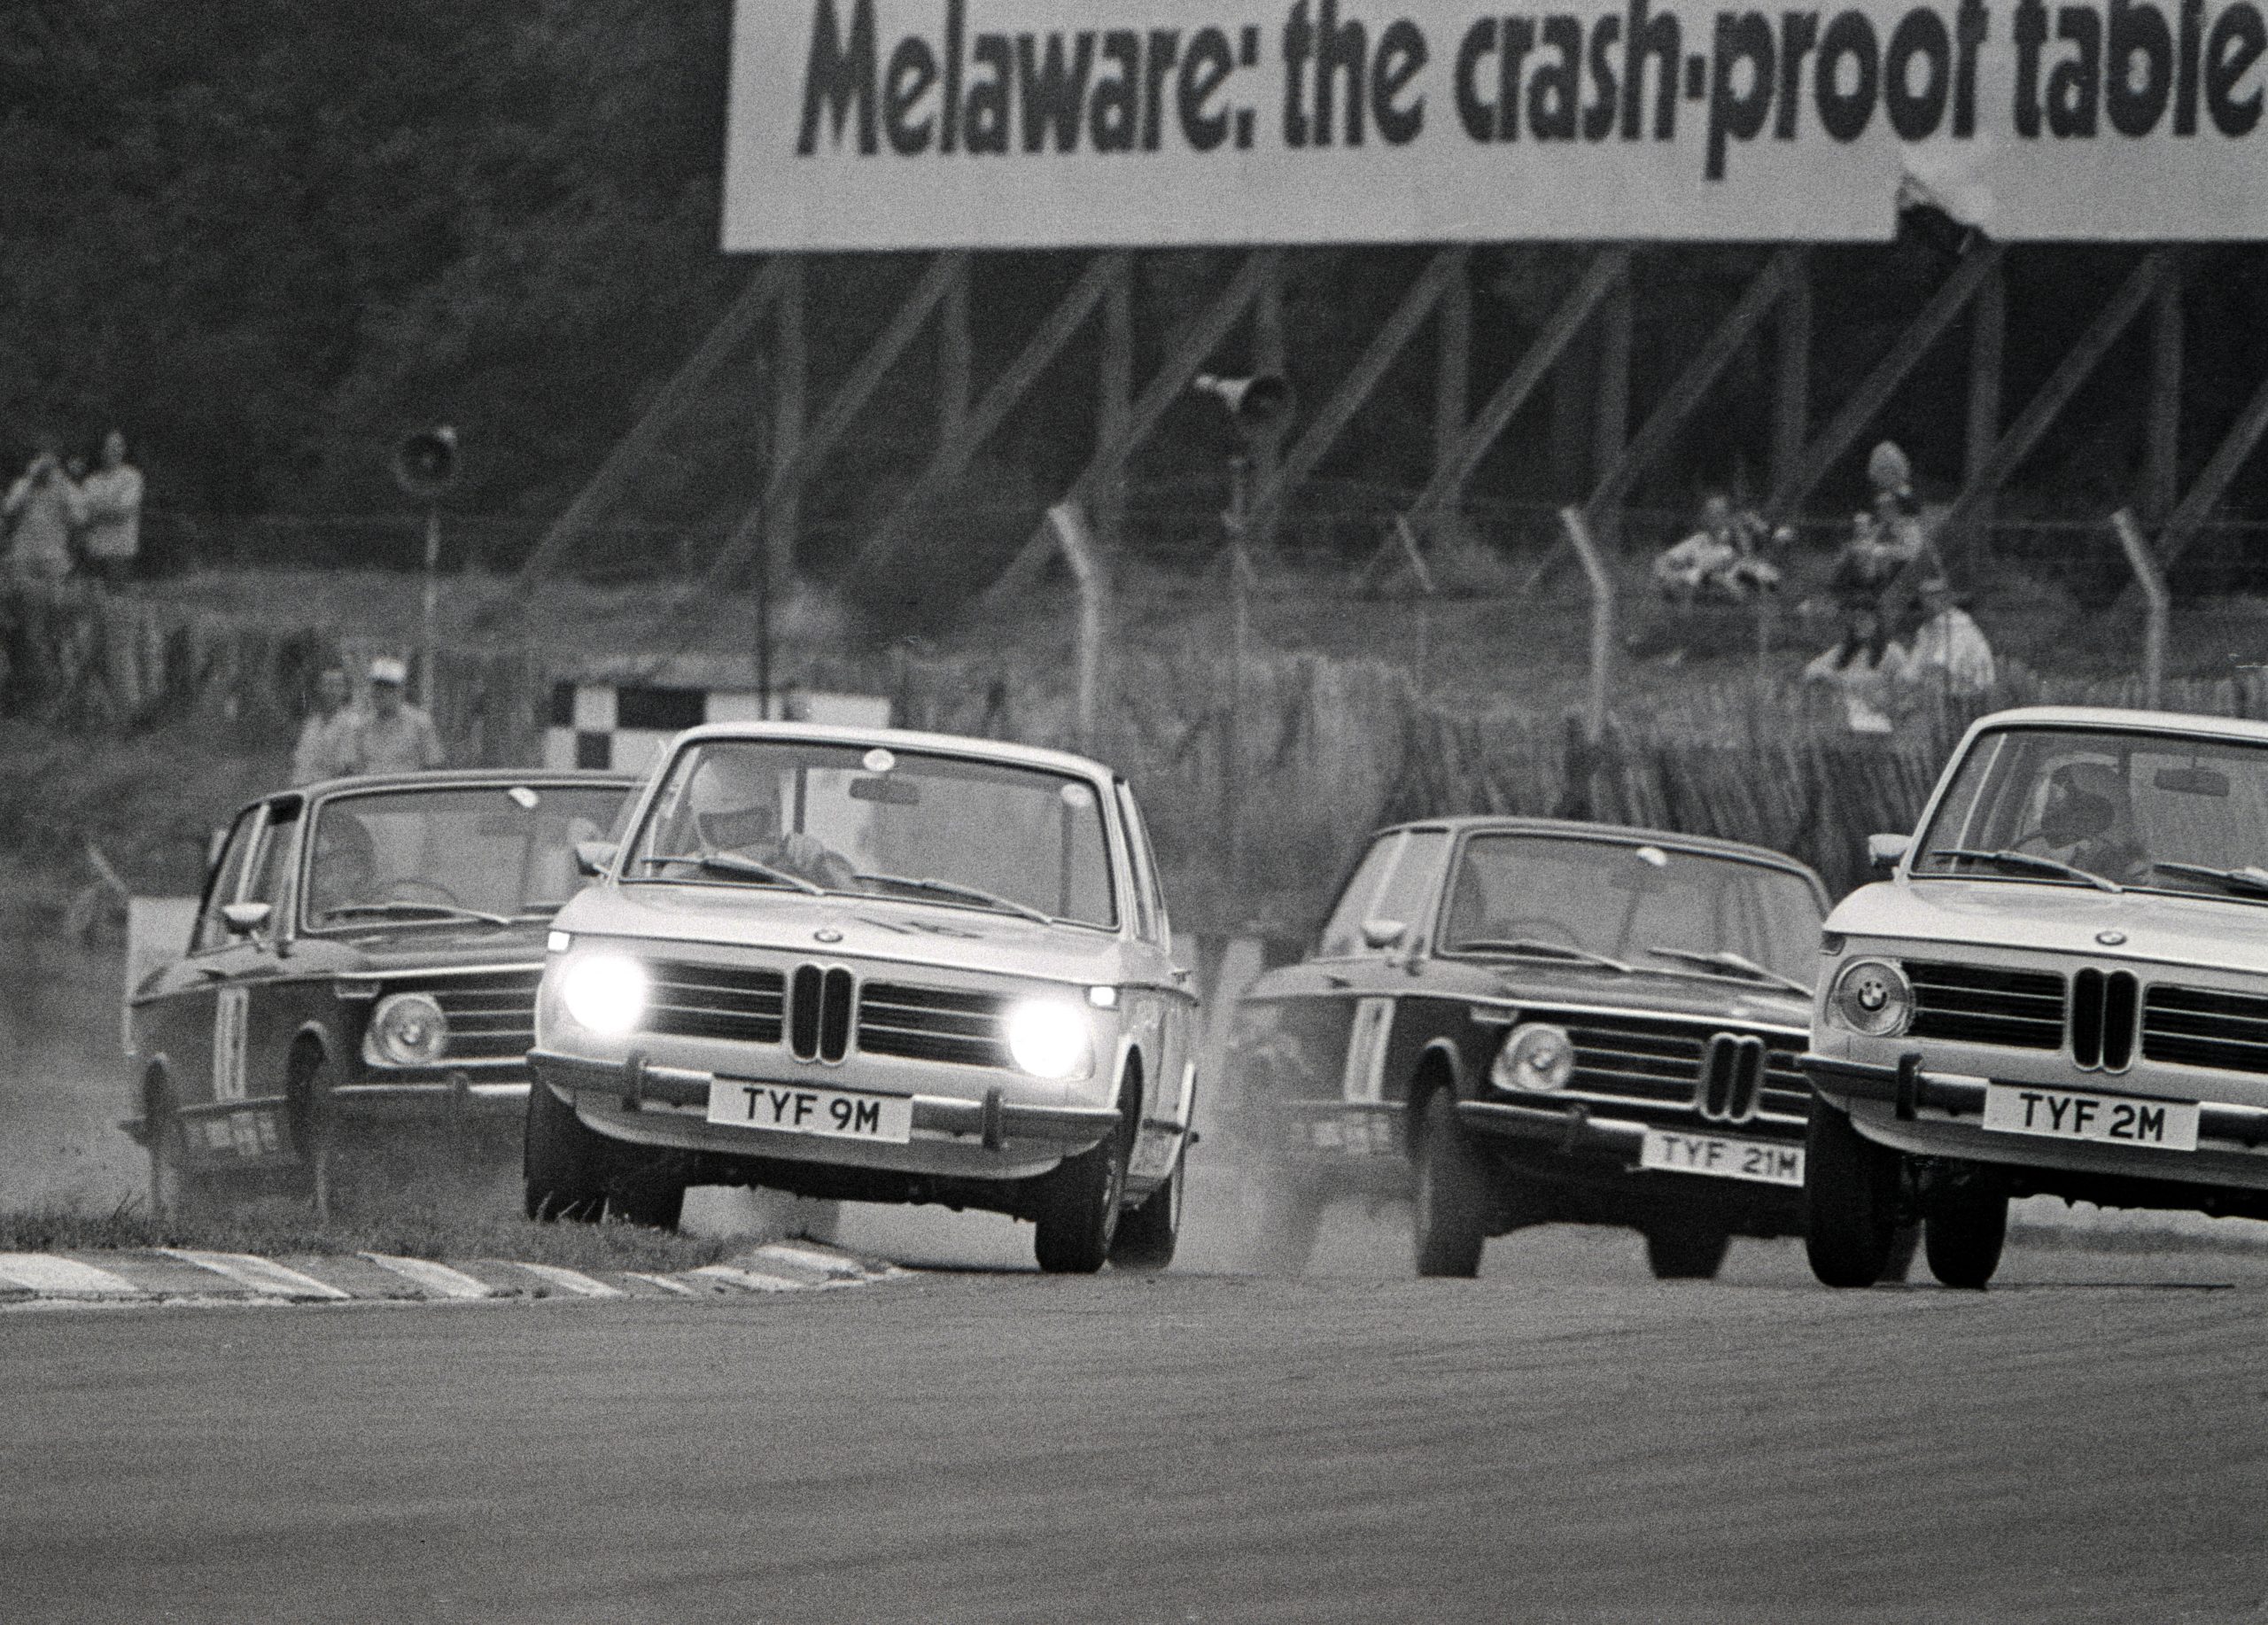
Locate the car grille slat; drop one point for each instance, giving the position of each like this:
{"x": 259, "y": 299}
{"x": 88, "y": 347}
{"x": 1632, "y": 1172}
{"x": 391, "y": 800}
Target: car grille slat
{"x": 1982, "y": 1004}
{"x": 925, "y": 1023}
{"x": 491, "y": 1014}
{"x": 715, "y": 1001}
{"x": 1658, "y": 1065}
{"x": 2206, "y": 1026}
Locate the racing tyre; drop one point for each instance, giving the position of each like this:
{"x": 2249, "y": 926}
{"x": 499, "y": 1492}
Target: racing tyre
{"x": 1453, "y": 1193}
{"x": 1850, "y": 1201}
{"x": 1687, "y": 1255}
{"x": 1146, "y": 1236}
{"x": 174, "y": 1187}
{"x": 1964, "y": 1234}
{"x": 564, "y": 1164}
{"x": 314, "y": 1133}
{"x": 1077, "y": 1208}
{"x": 653, "y": 1198}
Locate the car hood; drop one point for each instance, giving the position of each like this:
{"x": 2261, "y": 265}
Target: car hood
{"x": 2213, "y": 932}
{"x": 1542, "y": 984}
{"x": 423, "y": 947}
{"x": 838, "y": 927}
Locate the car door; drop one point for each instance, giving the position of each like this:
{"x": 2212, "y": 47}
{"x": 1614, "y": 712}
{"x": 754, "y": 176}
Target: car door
{"x": 179, "y": 1014}
{"x": 1380, "y": 977}
{"x": 1162, "y": 1012}
{"x": 271, "y": 1004}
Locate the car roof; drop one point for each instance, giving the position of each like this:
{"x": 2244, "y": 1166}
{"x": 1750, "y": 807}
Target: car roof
{"x": 458, "y": 778}
{"x": 1632, "y": 835}
{"x": 905, "y": 739}
{"x": 2111, "y": 717}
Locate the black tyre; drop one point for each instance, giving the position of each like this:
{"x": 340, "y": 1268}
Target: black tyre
{"x": 1963, "y": 1233}
{"x": 1687, "y": 1253}
{"x": 175, "y": 1188}
{"x": 1850, "y": 1201}
{"x": 1146, "y": 1236}
{"x": 1077, "y": 1208}
{"x": 563, "y": 1164}
{"x": 315, "y": 1134}
{"x": 1453, "y": 1194}
{"x": 1291, "y": 1218}
{"x": 653, "y": 1197}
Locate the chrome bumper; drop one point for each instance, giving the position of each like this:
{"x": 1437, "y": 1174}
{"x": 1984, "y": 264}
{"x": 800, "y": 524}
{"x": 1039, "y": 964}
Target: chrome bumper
{"x": 1570, "y": 1128}
{"x": 1907, "y": 1090}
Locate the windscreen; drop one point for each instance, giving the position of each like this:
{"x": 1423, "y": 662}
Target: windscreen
{"x": 408, "y": 855}
{"x": 1625, "y": 900}
{"x": 2155, "y": 810}
{"x": 869, "y": 820}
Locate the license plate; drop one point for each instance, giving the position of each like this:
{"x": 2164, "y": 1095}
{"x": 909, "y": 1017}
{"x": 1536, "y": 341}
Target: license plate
{"x": 794, "y": 1108}
{"x": 2075, "y": 1113}
{"x": 1765, "y": 1161}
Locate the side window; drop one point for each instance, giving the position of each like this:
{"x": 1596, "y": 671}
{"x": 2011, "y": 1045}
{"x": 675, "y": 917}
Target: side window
{"x": 220, "y": 884}
{"x": 271, "y": 858}
{"x": 1149, "y": 902}
{"x": 1342, "y": 933}
{"x": 1409, "y": 891}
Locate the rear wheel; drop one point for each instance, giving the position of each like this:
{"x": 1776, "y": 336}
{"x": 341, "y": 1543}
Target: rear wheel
{"x": 1686, "y": 1254}
{"x": 1964, "y": 1234}
{"x": 563, "y": 1163}
{"x": 1076, "y": 1212}
{"x": 1850, "y": 1201}
{"x": 1453, "y": 1192}
{"x": 174, "y": 1187}
{"x": 313, "y": 1131}
{"x": 1146, "y": 1236}
{"x": 652, "y": 1197}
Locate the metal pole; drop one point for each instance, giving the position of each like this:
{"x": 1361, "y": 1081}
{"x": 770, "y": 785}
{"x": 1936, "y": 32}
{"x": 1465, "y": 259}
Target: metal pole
{"x": 1587, "y": 549}
{"x": 1071, "y": 535}
{"x": 430, "y": 639}
{"x": 2155, "y": 601}
{"x": 1232, "y": 724}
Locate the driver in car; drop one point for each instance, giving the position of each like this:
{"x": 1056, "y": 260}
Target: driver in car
{"x": 742, "y": 819}
{"x": 2088, "y": 822}
{"x": 345, "y": 867}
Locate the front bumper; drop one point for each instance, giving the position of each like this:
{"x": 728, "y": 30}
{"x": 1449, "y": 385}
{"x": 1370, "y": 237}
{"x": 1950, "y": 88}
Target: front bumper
{"x": 1941, "y": 1114}
{"x": 665, "y": 1105}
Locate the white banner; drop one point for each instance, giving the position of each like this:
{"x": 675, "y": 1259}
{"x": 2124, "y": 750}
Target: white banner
{"x": 893, "y": 124}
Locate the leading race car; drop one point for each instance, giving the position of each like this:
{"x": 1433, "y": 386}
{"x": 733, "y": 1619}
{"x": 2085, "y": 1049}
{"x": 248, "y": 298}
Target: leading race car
{"x": 1518, "y": 1020}
{"x": 364, "y": 946}
{"x": 874, "y": 966}
{"x": 2061, "y": 990}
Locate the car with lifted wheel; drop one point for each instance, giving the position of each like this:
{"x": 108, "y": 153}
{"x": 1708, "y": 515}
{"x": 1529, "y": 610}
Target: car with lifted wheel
{"x": 872, "y": 965}
{"x": 2061, "y": 989}
{"x": 365, "y": 948}
{"x": 1520, "y": 1021}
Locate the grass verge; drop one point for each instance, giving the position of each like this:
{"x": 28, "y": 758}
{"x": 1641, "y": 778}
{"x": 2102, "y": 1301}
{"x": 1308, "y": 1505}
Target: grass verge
{"x": 2244, "y": 1239}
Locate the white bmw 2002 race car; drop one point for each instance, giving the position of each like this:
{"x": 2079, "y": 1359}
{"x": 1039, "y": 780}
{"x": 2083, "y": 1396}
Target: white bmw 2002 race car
{"x": 2062, "y": 991}
{"x": 874, "y": 966}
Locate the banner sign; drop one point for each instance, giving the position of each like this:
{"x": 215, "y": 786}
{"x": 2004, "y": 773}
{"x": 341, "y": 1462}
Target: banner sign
{"x": 898, "y": 124}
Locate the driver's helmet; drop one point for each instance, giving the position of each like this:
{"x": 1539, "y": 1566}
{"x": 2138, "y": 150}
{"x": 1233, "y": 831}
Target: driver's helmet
{"x": 734, "y": 800}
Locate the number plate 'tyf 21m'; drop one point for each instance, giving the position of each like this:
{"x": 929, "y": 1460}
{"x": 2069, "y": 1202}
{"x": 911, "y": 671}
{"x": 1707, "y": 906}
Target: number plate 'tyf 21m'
{"x": 791, "y": 1109}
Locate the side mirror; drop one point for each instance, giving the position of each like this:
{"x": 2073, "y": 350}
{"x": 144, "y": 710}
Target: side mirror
{"x": 1378, "y": 935}
{"x": 243, "y": 918}
{"x": 1887, "y": 852}
{"x": 594, "y": 857}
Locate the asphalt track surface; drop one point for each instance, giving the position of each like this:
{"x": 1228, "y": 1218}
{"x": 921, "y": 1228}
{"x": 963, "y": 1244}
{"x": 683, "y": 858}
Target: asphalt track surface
{"x": 1563, "y": 1439}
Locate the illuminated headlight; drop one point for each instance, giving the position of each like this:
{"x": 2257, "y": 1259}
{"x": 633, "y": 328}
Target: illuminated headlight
{"x": 409, "y": 1030}
{"x": 1538, "y": 1057}
{"x": 1873, "y": 997}
{"x": 605, "y": 993}
{"x": 1048, "y": 1040}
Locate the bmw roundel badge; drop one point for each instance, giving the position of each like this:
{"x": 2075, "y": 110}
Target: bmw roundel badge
{"x": 2110, "y": 939}
{"x": 828, "y": 933}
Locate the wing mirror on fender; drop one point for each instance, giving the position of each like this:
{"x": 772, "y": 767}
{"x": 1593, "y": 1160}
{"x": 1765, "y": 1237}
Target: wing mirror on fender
{"x": 1886, "y": 852}
{"x": 594, "y": 857}
{"x": 1380, "y": 934}
{"x": 244, "y": 919}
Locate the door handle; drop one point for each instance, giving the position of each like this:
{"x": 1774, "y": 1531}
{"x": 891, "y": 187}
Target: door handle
{"x": 1332, "y": 978}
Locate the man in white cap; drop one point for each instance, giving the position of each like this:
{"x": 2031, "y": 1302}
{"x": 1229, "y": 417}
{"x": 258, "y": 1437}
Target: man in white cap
{"x": 396, "y": 737}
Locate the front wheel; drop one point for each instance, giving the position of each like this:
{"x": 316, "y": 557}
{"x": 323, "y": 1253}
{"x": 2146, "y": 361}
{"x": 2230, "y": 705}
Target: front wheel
{"x": 1964, "y": 1234}
{"x": 1850, "y": 1201}
{"x": 1453, "y": 1192}
{"x": 175, "y": 1188}
{"x": 1146, "y": 1236}
{"x": 563, "y": 1163}
{"x": 1686, "y": 1253}
{"x": 1076, "y": 1212}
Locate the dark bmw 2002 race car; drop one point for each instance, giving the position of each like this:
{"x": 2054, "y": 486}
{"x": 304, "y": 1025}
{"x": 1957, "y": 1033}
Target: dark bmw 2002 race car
{"x": 363, "y": 946}
{"x": 1519, "y": 1021}
{"x": 869, "y": 965}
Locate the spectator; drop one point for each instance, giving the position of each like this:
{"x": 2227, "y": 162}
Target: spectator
{"x": 111, "y": 535}
{"x": 326, "y": 747}
{"x": 1861, "y": 670}
{"x": 1723, "y": 559}
{"x": 40, "y": 516}
{"x": 1950, "y": 651}
{"x": 396, "y": 737}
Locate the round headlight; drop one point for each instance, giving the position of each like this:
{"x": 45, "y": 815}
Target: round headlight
{"x": 605, "y": 993}
{"x": 410, "y": 1029}
{"x": 1873, "y": 997}
{"x": 1538, "y": 1056}
{"x": 1048, "y": 1040}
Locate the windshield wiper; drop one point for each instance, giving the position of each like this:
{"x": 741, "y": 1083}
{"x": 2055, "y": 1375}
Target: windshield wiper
{"x": 1726, "y": 960}
{"x": 732, "y": 863}
{"x": 2033, "y": 862}
{"x": 2251, "y": 877}
{"x": 1535, "y": 947}
{"x": 954, "y": 888}
{"x": 448, "y": 911}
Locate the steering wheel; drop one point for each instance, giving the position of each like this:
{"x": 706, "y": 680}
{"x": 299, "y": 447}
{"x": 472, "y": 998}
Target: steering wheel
{"x": 418, "y": 882}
